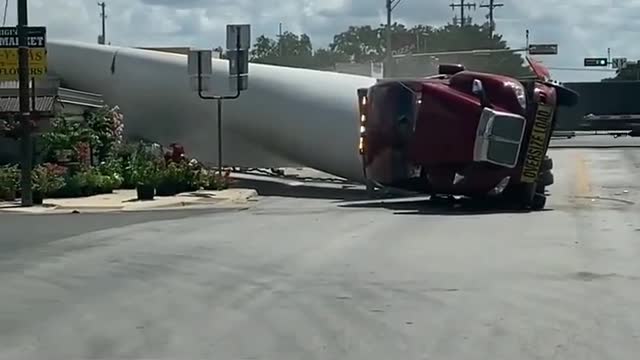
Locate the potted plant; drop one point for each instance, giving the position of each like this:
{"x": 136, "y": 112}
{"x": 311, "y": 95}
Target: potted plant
{"x": 47, "y": 179}
{"x": 170, "y": 180}
{"x": 212, "y": 180}
{"x": 9, "y": 178}
{"x": 145, "y": 176}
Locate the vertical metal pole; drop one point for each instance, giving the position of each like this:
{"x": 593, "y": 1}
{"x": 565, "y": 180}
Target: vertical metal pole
{"x": 387, "y": 65}
{"x": 527, "y": 41}
{"x": 33, "y": 95}
{"x": 280, "y": 39}
{"x": 26, "y": 147}
{"x": 104, "y": 25}
{"x": 220, "y": 136}
{"x": 608, "y": 57}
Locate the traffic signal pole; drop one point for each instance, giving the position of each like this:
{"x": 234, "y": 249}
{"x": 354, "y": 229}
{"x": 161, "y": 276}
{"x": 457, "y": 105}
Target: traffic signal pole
{"x": 26, "y": 147}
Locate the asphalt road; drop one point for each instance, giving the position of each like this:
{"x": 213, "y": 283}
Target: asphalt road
{"x": 305, "y": 278}
{"x": 597, "y": 141}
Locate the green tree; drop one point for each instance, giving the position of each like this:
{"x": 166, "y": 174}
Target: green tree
{"x": 326, "y": 58}
{"x": 289, "y": 50}
{"x": 359, "y": 43}
{"x": 364, "y": 43}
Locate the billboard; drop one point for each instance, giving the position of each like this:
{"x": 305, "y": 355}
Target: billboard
{"x": 36, "y": 40}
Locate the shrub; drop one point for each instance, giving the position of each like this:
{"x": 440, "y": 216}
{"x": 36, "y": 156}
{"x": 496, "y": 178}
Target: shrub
{"x": 48, "y": 178}
{"x": 211, "y": 180}
{"x": 9, "y": 182}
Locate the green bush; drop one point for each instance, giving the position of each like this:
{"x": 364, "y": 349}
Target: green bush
{"x": 48, "y": 178}
{"x": 211, "y": 180}
{"x": 9, "y": 182}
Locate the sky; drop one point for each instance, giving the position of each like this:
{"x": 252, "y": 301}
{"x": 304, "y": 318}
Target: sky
{"x": 581, "y": 28}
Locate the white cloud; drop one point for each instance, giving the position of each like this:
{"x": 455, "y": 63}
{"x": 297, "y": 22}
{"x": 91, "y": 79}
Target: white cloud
{"x": 580, "y": 27}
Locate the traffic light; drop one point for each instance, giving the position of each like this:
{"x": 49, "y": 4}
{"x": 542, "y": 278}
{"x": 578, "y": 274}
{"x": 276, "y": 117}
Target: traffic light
{"x": 596, "y": 62}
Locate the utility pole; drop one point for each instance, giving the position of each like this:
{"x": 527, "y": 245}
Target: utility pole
{"x": 280, "y": 39}
{"x": 491, "y": 6}
{"x": 26, "y": 147}
{"x": 103, "y": 16}
{"x": 390, "y": 6}
{"x": 462, "y": 5}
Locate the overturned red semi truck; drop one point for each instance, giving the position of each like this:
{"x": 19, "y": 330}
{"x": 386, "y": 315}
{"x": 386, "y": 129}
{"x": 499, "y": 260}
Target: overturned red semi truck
{"x": 464, "y": 133}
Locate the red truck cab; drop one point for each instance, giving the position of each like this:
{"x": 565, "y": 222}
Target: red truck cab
{"x": 462, "y": 133}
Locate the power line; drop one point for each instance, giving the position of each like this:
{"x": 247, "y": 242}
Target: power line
{"x": 491, "y": 6}
{"x": 462, "y": 5}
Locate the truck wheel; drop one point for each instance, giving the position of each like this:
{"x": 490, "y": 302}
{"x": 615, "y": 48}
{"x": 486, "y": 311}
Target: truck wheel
{"x": 547, "y": 164}
{"x": 520, "y": 195}
{"x": 546, "y": 178}
{"x": 539, "y": 201}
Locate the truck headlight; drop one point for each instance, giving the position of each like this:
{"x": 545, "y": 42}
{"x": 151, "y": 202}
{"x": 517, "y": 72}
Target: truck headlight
{"x": 520, "y": 93}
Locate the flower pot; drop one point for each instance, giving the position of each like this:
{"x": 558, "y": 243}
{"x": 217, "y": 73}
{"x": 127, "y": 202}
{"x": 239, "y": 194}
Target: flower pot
{"x": 166, "y": 189}
{"x": 145, "y": 192}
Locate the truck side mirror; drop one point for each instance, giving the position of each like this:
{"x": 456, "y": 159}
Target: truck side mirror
{"x": 478, "y": 90}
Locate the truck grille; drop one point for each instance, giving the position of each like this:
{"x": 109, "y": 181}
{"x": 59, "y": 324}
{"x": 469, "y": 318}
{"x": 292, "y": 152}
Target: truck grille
{"x": 499, "y": 138}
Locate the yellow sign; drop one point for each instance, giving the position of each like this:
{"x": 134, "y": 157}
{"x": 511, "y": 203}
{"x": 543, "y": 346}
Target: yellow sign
{"x": 36, "y": 40}
{"x": 537, "y": 143}
{"x": 9, "y": 63}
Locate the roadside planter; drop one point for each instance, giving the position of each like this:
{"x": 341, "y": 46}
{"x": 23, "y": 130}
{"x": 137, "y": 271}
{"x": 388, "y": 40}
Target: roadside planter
{"x": 145, "y": 192}
{"x": 145, "y": 175}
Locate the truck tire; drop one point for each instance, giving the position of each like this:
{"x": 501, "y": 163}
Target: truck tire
{"x": 530, "y": 197}
{"x": 539, "y": 201}
{"x": 547, "y": 164}
{"x": 546, "y": 179}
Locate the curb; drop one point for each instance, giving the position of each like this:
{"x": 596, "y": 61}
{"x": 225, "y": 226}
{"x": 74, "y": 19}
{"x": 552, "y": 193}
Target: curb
{"x": 234, "y": 199}
{"x": 88, "y": 208}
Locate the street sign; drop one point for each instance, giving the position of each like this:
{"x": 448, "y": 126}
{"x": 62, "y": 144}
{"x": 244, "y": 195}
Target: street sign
{"x": 205, "y": 56}
{"x": 238, "y": 55}
{"x": 36, "y": 40}
{"x": 238, "y": 58}
{"x": 596, "y": 62}
{"x": 619, "y": 63}
{"x": 244, "y": 82}
{"x": 543, "y": 49}
{"x": 206, "y": 69}
{"x": 232, "y": 36}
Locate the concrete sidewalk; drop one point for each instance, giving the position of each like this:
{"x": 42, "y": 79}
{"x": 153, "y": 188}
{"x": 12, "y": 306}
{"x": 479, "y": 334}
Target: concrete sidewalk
{"x": 126, "y": 200}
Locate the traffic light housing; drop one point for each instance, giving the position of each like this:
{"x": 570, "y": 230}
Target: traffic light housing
{"x": 596, "y": 62}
